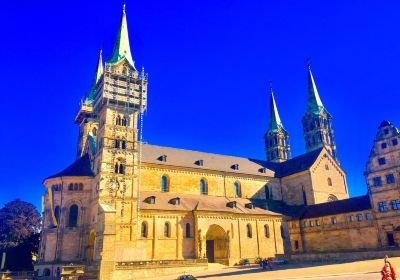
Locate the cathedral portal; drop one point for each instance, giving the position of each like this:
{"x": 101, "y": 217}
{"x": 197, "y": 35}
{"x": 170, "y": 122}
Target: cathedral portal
{"x": 217, "y": 245}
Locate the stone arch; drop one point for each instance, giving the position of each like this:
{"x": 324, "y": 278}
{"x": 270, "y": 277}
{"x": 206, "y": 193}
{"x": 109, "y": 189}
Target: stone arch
{"x": 217, "y": 245}
{"x": 332, "y": 197}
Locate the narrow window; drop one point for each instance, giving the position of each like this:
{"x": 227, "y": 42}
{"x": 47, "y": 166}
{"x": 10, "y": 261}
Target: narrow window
{"x": 203, "y": 187}
{"x": 296, "y": 244}
{"x": 144, "y": 230}
{"x": 164, "y": 184}
{"x": 123, "y": 144}
{"x": 351, "y": 218}
{"x": 249, "y": 231}
{"x": 238, "y": 191}
{"x": 359, "y": 217}
{"x": 118, "y": 120}
{"x": 329, "y": 182}
{"x": 57, "y": 213}
{"x": 333, "y": 220}
{"x": 71, "y": 187}
{"x": 80, "y": 186}
{"x": 73, "y": 216}
{"x": 121, "y": 169}
{"x": 266, "y": 231}
{"x": 167, "y": 230}
{"x": 394, "y": 142}
{"x": 187, "y": 230}
{"x": 117, "y": 142}
{"x": 76, "y": 186}
{"x": 116, "y": 167}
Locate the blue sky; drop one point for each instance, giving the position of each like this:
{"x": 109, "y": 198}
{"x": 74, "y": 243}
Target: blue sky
{"x": 209, "y": 63}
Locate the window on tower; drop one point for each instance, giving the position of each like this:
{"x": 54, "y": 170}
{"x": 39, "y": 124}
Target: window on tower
{"x": 390, "y": 179}
{"x": 382, "y": 206}
{"x": 394, "y": 142}
{"x": 383, "y": 146}
{"x": 382, "y": 161}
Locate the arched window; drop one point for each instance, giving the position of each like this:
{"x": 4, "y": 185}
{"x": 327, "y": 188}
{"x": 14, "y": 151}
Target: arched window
{"x": 57, "y": 213}
{"x": 329, "y": 182}
{"x": 121, "y": 169}
{"x": 167, "y": 230}
{"x": 117, "y": 143}
{"x": 144, "y": 230}
{"x": 237, "y": 189}
{"x": 123, "y": 144}
{"x": 73, "y": 216}
{"x": 249, "y": 231}
{"x": 71, "y": 187}
{"x": 80, "y": 186}
{"x": 203, "y": 187}
{"x": 187, "y": 230}
{"x": 266, "y": 231}
{"x": 76, "y": 186}
{"x": 164, "y": 184}
{"x": 94, "y": 131}
{"x": 124, "y": 122}
{"x": 116, "y": 168}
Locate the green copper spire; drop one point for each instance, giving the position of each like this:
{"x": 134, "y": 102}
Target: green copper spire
{"x": 97, "y": 76}
{"x": 274, "y": 119}
{"x": 314, "y": 104}
{"x": 121, "y": 48}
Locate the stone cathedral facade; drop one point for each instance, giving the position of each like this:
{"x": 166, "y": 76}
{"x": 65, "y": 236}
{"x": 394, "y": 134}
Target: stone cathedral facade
{"x": 129, "y": 210}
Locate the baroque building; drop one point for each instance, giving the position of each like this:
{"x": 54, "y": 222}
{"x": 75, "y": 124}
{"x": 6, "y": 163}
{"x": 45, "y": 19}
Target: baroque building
{"x": 129, "y": 210}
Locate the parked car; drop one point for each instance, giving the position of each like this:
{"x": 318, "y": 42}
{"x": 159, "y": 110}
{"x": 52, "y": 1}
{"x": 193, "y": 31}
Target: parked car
{"x": 186, "y": 277}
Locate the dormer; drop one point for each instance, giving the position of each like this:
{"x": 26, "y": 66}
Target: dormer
{"x": 249, "y": 205}
{"x": 162, "y": 158}
{"x": 235, "y": 166}
{"x": 231, "y": 204}
{"x": 199, "y": 162}
{"x": 150, "y": 200}
{"x": 175, "y": 201}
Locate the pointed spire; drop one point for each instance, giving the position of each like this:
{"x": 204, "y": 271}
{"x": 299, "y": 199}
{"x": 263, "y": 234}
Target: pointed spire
{"x": 314, "y": 103}
{"x": 97, "y": 75}
{"x": 121, "y": 48}
{"x": 274, "y": 119}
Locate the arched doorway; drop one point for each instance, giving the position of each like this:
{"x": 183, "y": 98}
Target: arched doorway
{"x": 217, "y": 245}
{"x": 90, "y": 248}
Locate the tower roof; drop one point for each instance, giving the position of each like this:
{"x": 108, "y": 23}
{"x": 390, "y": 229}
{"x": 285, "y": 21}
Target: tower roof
{"x": 314, "y": 103}
{"x": 97, "y": 75}
{"x": 274, "y": 120}
{"x": 122, "y": 49}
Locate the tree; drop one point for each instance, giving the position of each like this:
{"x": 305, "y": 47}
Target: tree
{"x": 18, "y": 221}
{"x": 20, "y": 225}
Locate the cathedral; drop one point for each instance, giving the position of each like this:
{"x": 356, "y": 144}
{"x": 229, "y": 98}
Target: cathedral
{"x": 129, "y": 210}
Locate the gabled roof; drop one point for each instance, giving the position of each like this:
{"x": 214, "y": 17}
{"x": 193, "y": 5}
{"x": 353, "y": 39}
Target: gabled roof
{"x": 354, "y": 204}
{"x": 298, "y": 164}
{"x": 81, "y": 167}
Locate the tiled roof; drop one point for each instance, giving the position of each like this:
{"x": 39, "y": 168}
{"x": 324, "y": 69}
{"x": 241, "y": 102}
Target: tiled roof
{"x": 279, "y": 206}
{"x": 188, "y": 158}
{"x": 190, "y": 202}
{"x": 298, "y": 164}
{"x": 354, "y": 204}
{"x": 81, "y": 167}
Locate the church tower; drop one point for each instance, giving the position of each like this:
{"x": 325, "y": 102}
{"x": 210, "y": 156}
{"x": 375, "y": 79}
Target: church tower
{"x": 277, "y": 138}
{"x": 317, "y": 122}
